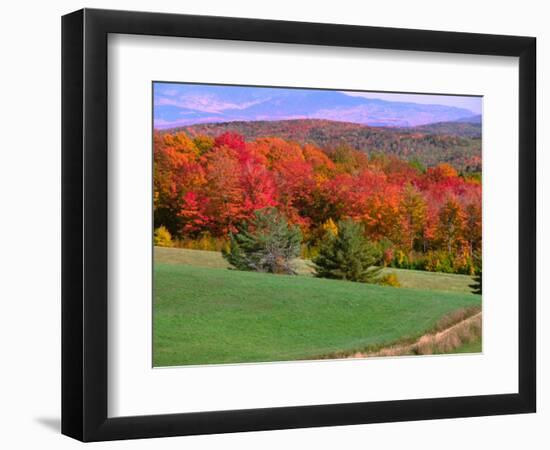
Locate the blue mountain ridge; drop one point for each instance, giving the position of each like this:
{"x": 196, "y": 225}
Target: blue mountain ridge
{"x": 205, "y": 104}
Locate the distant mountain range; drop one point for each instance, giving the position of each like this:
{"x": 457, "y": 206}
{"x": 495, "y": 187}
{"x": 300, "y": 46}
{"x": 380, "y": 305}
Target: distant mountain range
{"x": 201, "y": 105}
{"x": 471, "y": 119}
{"x": 457, "y": 142}
{"x": 469, "y": 127}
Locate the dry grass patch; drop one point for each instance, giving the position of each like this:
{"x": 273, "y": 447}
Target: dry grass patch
{"x": 454, "y": 330}
{"x": 445, "y": 341}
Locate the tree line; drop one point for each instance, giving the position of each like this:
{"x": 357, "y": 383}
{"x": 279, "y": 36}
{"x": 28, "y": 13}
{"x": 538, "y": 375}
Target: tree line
{"x": 453, "y": 142}
{"x": 206, "y": 187}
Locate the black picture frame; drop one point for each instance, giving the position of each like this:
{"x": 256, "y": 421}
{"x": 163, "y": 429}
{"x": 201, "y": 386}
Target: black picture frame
{"x": 84, "y": 224}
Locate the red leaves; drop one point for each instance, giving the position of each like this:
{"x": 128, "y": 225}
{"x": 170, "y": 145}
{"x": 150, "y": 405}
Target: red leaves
{"x": 193, "y": 212}
{"x": 257, "y": 186}
{"x": 440, "y": 173}
{"x": 231, "y": 140}
{"x": 210, "y": 185}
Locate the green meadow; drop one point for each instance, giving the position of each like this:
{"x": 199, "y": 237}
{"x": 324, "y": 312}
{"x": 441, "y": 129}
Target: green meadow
{"x": 205, "y": 313}
{"x": 415, "y": 279}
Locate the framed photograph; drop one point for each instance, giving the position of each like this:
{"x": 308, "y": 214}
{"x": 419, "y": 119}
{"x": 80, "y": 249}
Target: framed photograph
{"x": 273, "y": 225}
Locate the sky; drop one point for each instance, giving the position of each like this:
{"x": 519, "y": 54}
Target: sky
{"x": 468, "y": 102}
{"x": 180, "y": 104}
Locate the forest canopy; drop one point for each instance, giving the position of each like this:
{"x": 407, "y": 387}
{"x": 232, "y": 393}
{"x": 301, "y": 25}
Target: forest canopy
{"x": 457, "y": 143}
{"x": 423, "y": 216}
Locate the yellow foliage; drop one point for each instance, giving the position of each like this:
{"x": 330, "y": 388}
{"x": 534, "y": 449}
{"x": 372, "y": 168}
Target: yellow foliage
{"x": 400, "y": 257}
{"x": 390, "y": 280}
{"x": 203, "y": 143}
{"x": 162, "y": 237}
{"x": 330, "y": 227}
{"x": 204, "y": 242}
{"x": 309, "y": 252}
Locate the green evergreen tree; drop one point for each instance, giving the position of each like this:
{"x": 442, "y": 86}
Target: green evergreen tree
{"x": 348, "y": 255}
{"x": 267, "y": 243}
{"x": 476, "y": 286}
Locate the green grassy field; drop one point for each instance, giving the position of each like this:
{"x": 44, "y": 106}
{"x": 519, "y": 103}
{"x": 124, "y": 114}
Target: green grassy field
{"x": 206, "y": 314}
{"x": 415, "y": 279}
{"x": 470, "y": 347}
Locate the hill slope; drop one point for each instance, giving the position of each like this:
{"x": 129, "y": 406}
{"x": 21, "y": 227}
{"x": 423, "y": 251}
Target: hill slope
{"x": 215, "y": 316}
{"x": 458, "y": 128}
{"x": 458, "y": 143}
{"x": 414, "y": 279}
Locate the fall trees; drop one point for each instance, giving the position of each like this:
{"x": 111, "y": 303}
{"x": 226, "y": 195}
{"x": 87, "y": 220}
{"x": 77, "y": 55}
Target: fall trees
{"x": 412, "y": 210}
{"x": 450, "y": 229}
{"x": 207, "y": 187}
{"x": 454, "y": 142}
{"x": 162, "y": 237}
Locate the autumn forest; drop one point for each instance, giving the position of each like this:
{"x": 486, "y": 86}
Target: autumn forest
{"x": 421, "y": 217}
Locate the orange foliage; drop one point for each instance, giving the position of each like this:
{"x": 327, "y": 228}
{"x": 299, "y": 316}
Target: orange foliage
{"x": 206, "y": 186}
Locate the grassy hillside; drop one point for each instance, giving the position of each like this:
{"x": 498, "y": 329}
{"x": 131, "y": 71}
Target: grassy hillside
{"x": 212, "y": 315}
{"x": 452, "y": 142}
{"x": 408, "y": 278}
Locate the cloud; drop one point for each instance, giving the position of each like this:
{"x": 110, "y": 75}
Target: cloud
{"x": 204, "y": 103}
{"x": 472, "y": 103}
{"x": 164, "y": 124}
{"x": 170, "y": 92}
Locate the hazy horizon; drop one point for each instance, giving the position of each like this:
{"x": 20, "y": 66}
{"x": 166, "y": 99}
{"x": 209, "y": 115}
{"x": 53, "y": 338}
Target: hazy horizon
{"x": 183, "y": 104}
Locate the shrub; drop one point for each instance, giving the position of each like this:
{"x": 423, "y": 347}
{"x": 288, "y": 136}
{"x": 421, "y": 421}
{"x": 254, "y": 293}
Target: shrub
{"x": 389, "y": 280}
{"x": 204, "y": 242}
{"x": 349, "y": 255}
{"x": 267, "y": 243}
{"x": 309, "y": 251}
{"x": 387, "y": 250}
{"x": 162, "y": 237}
{"x": 439, "y": 261}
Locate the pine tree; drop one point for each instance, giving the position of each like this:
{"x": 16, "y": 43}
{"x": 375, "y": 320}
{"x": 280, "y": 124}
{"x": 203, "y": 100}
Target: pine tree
{"x": 348, "y": 255}
{"x": 267, "y": 243}
{"x": 476, "y": 286}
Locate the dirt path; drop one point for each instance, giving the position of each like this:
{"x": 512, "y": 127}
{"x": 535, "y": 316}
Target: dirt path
{"x": 440, "y": 342}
